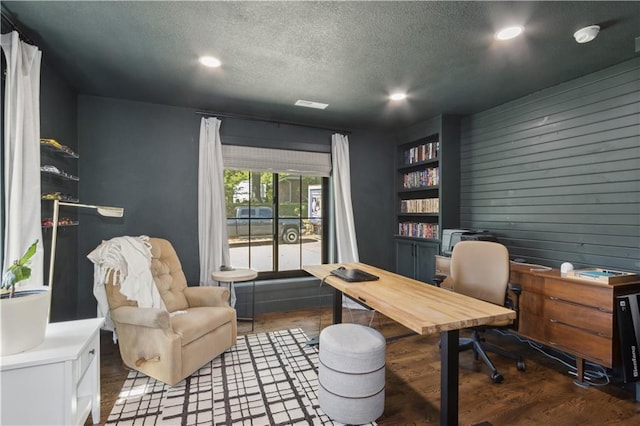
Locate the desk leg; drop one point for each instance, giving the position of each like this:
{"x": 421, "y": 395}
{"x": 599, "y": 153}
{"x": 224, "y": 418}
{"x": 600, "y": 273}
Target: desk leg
{"x": 337, "y": 306}
{"x": 449, "y": 377}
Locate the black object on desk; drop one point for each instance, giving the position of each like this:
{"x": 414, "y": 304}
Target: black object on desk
{"x": 354, "y": 275}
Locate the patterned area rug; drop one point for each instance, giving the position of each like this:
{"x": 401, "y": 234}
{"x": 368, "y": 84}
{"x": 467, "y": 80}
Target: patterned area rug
{"x": 266, "y": 379}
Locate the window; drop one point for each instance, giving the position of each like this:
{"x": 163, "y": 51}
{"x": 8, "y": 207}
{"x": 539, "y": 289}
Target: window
{"x": 274, "y": 201}
{"x": 274, "y": 221}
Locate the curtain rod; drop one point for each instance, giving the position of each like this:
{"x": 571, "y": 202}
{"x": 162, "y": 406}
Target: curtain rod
{"x": 9, "y": 19}
{"x": 266, "y": 120}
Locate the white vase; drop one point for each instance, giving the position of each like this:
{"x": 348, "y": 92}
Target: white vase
{"x": 23, "y": 320}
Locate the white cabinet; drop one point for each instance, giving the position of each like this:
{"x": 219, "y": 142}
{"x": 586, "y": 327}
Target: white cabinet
{"x": 56, "y": 383}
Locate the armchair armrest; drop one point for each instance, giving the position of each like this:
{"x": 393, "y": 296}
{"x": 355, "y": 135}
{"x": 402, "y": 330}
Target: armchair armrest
{"x": 207, "y": 296}
{"x": 439, "y": 279}
{"x": 516, "y": 289}
{"x": 145, "y": 317}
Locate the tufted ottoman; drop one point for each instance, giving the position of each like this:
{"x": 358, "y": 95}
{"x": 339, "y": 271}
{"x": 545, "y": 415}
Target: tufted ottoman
{"x": 351, "y": 373}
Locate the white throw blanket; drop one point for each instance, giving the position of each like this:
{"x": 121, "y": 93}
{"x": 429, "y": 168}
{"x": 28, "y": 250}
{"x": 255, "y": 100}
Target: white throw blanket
{"x": 130, "y": 260}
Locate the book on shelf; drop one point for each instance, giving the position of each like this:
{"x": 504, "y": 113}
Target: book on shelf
{"x": 422, "y": 178}
{"x": 628, "y": 316}
{"x": 421, "y": 205}
{"x": 420, "y": 153}
{"x": 419, "y": 230}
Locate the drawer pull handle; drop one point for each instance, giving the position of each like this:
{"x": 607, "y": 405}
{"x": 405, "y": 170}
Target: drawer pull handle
{"x": 553, "y": 343}
{"x": 92, "y": 352}
{"x": 553, "y": 298}
{"x": 553, "y": 320}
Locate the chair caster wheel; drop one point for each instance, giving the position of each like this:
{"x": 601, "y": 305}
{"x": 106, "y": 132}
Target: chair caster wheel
{"x": 520, "y": 365}
{"x": 497, "y": 377}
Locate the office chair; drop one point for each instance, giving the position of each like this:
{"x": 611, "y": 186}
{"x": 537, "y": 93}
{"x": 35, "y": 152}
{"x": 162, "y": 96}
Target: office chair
{"x": 480, "y": 269}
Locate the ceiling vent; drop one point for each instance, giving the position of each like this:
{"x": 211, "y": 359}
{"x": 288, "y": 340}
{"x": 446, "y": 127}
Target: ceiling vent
{"x": 310, "y": 104}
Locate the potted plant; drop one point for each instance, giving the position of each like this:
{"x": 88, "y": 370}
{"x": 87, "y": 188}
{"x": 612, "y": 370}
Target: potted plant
{"x": 23, "y": 313}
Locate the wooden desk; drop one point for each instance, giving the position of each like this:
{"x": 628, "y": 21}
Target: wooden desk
{"x": 572, "y": 315}
{"x": 423, "y": 308}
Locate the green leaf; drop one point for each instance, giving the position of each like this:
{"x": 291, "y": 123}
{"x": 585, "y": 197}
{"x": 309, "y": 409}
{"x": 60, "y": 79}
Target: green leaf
{"x": 22, "y": 273}
{"x": 26, "y": 257}
{"x": 19, "y": 270}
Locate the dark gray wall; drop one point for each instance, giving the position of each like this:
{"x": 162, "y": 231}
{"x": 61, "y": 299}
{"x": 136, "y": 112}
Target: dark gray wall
{"x": 58, "y": 120}
{"x": 556, "y": 174}
{"x": 144, "y": 157}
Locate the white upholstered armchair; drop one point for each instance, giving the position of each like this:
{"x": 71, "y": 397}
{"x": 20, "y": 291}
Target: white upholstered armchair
{"x": 170, "y": 344}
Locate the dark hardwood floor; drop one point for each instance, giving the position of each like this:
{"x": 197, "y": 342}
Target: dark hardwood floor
{"x": 542, "y": 395}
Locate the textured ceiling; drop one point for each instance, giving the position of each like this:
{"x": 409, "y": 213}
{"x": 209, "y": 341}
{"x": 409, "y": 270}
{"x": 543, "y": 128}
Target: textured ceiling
{"x": 350, "y": 55}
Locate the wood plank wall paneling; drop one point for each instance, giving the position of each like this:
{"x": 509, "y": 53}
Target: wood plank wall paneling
{"x": 556, "y": 174}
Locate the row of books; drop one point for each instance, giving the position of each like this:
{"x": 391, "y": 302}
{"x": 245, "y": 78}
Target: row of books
{"x": 422, "y": 205}
{"x": 421, "y": 178}
{"x": 419, "y": 230}
{"x": 424, "y": 152}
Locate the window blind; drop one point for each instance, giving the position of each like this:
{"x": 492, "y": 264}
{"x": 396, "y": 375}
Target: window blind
{"x": 305, "y": 163}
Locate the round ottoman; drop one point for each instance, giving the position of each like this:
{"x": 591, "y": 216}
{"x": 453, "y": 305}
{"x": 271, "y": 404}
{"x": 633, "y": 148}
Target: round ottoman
{"x": 351, "y": 373}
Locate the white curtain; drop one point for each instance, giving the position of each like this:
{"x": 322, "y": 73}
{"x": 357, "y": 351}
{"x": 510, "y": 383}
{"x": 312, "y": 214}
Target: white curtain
{"x": 22, "y": 154}
{"x": 347, "y": 245}
{"x": 212, "y": 217}
{"x": 345, "y": 228}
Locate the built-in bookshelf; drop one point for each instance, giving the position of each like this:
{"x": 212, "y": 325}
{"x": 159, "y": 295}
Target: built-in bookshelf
{"x": 427, "y": 199}
{"x": 418, "y": 196}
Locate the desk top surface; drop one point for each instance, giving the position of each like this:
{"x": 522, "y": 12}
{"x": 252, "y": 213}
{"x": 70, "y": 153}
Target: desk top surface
{"x": 421, "y": 307}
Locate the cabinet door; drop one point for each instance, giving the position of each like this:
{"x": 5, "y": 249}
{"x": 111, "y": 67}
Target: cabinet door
{"x": 405, "y": 259}
{"x": 426, "y": 261}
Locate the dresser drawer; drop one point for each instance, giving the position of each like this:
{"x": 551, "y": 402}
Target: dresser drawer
{"x": 582, "y": 294}
{"x": 590, "y": 319}
{"x": 580, "y": 342}
{"x": 530, "y": 321}
{"x": 88, "y": 354}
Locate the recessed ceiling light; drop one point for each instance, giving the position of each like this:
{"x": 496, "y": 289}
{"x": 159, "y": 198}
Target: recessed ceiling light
{"x": 210, "y": 61}
{"x": 310, "y": 104}
{"x": 508, "y": 33}
{"x": 586, "y": 34}
{"x": 398, "y": 96}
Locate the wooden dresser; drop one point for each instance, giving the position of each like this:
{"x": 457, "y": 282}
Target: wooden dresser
{"x": 572, "y": 315}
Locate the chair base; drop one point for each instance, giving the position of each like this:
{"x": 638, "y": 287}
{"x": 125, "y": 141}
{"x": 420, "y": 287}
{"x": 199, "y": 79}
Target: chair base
{"x": 481, "y": 347}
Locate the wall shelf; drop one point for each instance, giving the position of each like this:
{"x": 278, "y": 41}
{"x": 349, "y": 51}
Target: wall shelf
{"x": 61, "y": 225}
{"x": 61, "y": 175}
{"x": 57, "y": 148}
